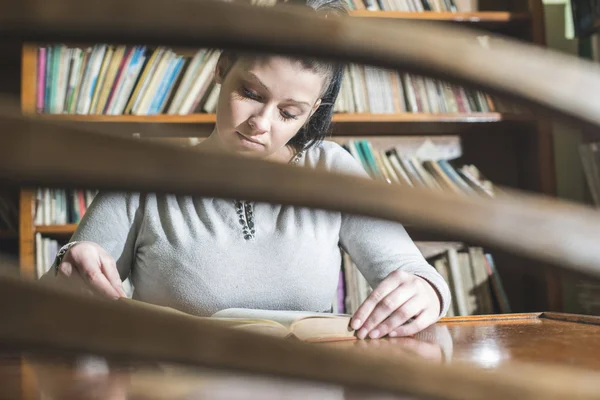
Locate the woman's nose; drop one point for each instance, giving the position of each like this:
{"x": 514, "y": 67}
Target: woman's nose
{"x": 259, "y": 124}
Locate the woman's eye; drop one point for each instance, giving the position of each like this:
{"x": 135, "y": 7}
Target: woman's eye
{"x": 250, "y": 94}
{"x": 286, "y": 116}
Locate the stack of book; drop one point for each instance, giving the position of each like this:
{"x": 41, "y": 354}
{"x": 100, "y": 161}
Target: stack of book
{"x": 438, "y": 174}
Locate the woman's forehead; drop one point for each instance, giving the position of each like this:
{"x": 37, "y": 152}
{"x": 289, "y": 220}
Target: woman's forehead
{"x": 257, "y": 62}
{"x": 279, "y": 73}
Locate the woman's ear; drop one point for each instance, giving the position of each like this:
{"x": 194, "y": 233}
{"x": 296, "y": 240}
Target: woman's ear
{"x": 315, "y": 108}
{"x": 223, "y": 66}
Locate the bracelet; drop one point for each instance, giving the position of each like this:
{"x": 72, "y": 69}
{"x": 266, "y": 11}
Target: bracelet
{"x": 59, "y": 256}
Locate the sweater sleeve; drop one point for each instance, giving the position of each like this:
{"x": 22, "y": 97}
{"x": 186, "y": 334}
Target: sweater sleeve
{"x": 112, "y": 221}
{"x": 379, "y": 247}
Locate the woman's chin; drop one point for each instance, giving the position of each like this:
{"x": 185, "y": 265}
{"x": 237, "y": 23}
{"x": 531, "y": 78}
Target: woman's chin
{"x": 251, "y": 153}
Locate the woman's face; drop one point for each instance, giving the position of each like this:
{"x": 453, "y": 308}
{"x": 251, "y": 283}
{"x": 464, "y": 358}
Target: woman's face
{"x": 263, "y": 103}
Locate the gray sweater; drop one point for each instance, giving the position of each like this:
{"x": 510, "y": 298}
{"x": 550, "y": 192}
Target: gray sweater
{"x": 202, "y": 255}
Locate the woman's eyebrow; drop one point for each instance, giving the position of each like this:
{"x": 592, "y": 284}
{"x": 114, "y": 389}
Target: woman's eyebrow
{"x": 256, "y": 80}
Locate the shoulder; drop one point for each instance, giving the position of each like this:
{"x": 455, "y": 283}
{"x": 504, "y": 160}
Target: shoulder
{"x": 118, "y": 201}
{"x": 114, "y": 198}
{"x": 332, "y": 157}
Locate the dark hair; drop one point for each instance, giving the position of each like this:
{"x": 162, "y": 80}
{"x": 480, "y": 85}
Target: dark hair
{"x": 318, "y": 125}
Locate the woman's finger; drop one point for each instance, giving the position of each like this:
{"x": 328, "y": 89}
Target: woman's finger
{"x": 421, "y": 322}
{"x": 65, "y": 268}
{"x": 391, "y": 282}
{"x": 410, "y": 309}
{"x": 69, "y": 279}
{"x": 90, "y": 270}
{"x": 386, "y": 307}
{"x": 109, "y": 268}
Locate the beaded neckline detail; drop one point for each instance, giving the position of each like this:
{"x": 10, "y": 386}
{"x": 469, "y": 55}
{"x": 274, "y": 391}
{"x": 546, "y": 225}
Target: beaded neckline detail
{"x": 245, "y": 213}
{"x": 245, "y": 209}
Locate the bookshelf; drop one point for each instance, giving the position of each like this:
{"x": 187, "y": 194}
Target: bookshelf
{"x": 67, "y": 229}
{"x": 512, "y": 149}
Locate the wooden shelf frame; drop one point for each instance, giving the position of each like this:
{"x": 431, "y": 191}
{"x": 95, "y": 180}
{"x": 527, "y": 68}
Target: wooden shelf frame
{"x": 478, "y": 17}
{"x": 67, "y": 229}
{"x": 210, "y": 119}
{"x": 518, "y": 148}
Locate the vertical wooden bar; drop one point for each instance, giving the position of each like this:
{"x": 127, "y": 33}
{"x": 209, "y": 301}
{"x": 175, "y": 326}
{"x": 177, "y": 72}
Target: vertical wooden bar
{"x": 545, "y": 143}
{"x": 27, "y": 271}
{"x": 545, "y": 157}
{"x": 26, "y": 234}
{"x": 29, "y": 78}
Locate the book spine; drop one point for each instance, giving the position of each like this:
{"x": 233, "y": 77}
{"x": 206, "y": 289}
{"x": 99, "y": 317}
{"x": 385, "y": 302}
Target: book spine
{"x": 48, "y": 81}
{"x": 41, "y": 79}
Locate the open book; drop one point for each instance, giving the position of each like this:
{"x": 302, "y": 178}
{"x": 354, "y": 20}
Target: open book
{"x": 305, "y": 326}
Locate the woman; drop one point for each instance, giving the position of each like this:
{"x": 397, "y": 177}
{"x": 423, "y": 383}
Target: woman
{"x": 201, "y": 255}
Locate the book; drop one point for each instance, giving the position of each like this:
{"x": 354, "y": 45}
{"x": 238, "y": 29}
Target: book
{"x": 300, "y": 325}
{"x": 293, "y": 325}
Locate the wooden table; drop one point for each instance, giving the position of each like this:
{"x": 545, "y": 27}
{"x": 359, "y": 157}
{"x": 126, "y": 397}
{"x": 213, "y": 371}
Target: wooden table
{"x": 483, "y": 341}
{"x": 490, "y": 341}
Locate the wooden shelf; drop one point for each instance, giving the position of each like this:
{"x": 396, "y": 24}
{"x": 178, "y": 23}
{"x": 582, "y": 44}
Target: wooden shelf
{"x": 472, "y": 17}
{"x": 342, "y": 118}
{"x": 68, "y": 229}
{"x": 159, "y": 118}
{"x": 200, "y": 125}
{"x": 423, "y": 117}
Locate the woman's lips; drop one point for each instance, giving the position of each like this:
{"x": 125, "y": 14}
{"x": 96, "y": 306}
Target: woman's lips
{"x": 250, "y": 142}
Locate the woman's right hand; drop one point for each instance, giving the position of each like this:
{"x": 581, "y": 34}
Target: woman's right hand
{"x": 90, "y": 268}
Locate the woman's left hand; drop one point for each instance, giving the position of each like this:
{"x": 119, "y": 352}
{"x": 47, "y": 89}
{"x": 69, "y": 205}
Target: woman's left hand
{"x": 400, "y": 297}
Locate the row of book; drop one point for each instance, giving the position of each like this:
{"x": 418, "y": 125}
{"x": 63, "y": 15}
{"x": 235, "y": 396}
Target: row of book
{"x": 471, "y": 274}
{"x": 474, "y": 282}
{"x": 136, "y": 80}
{"x": 367, "y": 89}
{"x": 116, "y": 80}
{"x": 406, "y": 5}
{"x": 437, "y": 174}
{"x": 61, "y": 206}
{"x": 45, "y": 252}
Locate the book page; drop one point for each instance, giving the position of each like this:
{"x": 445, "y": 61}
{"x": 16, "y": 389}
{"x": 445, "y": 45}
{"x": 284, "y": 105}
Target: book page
{"x": 257, "y": 325}
{"x": 285, "y": 318}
